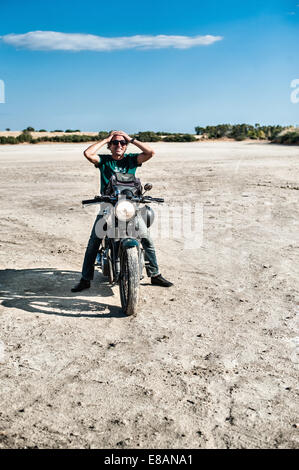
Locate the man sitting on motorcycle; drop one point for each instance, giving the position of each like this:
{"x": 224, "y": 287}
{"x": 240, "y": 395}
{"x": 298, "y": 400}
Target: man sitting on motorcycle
{"x": 118, "y": 161}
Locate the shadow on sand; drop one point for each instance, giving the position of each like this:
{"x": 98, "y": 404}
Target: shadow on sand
{"x": 48, "y": 291}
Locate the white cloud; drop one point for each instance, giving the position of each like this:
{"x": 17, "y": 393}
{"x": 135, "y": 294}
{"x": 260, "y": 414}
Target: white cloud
{"x": 52, "y": 40}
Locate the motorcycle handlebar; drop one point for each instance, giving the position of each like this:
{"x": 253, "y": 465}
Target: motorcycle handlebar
{"x": 152, "y": 199}
{"x": 97, "y": 200}
{"x": 144, "y": 199}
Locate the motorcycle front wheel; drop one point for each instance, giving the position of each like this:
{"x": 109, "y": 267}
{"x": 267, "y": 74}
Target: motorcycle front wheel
{"x": 129, "y": 280}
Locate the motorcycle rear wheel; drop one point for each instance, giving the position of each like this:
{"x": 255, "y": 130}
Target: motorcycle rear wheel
{"x": 129, "y": 281}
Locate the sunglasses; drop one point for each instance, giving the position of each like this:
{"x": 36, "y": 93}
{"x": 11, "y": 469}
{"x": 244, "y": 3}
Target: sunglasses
{"x": 121, "y": 142}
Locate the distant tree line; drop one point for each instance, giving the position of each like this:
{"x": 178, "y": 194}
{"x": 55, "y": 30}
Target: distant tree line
{"x": 26, "y": 136}
{"x": 239, "y": 132}
{"x": 150, "y": 136}
{"x": 147, "y": 136}
{"x": 31, "y": 129}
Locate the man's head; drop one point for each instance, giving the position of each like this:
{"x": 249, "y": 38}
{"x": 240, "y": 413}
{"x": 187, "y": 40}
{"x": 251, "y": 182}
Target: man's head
{"x": 117, "y": 145}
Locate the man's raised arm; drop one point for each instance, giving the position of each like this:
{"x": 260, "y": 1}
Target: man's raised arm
{"x": 91, "y": 152}
{"x": 147, "y": 151}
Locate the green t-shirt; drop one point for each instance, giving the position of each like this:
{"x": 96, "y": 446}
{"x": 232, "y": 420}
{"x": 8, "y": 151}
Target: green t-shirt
{"x": 108, "y": 166}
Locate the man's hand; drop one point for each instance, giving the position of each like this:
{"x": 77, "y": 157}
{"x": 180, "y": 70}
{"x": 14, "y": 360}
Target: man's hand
{"x": 126, "y": 136}
{"x": 147, "y": 151}
{"x": 111, "y": 136}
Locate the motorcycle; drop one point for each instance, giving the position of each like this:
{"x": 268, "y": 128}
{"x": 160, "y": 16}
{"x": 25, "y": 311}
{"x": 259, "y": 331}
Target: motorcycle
{"x": 121, "y": 254}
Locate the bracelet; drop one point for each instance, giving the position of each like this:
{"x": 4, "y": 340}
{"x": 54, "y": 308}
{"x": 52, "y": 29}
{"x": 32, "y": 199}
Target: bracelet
{"x": 132, "y": 140}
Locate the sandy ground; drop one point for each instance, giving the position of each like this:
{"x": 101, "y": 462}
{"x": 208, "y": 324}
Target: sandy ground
{"x": 209, "y": 363}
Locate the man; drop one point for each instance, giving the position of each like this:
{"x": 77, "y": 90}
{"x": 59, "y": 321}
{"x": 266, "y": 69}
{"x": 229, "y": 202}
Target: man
{"x": 118, "y": 161}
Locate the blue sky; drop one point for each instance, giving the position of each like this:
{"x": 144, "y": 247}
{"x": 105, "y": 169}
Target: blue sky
{"x": 243, "y": 74}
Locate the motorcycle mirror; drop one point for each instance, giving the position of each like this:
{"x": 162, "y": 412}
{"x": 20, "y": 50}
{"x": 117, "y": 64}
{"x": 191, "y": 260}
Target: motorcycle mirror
{"x": 148, "y": 186}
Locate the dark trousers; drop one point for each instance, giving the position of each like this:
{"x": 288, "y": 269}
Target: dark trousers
{"x": 95, "y": 242}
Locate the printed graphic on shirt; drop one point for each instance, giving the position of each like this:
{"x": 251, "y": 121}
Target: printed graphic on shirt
{"x": 108, "y": 166}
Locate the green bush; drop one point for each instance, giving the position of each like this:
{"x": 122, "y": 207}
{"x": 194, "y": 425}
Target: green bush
{"x": 288, "y": 135}
{"x": 289, "y": 138}
{"x": 261, "y": 135}
{"x": 102, "y": 135}
{"x": 180, "y": 138}
{"x": 24, "y": 137}
{"x": 240, "y": 137}
{"x": 147, "y": 136}
{"x": 8, "y": 140}
{"x": 164, "y": 133}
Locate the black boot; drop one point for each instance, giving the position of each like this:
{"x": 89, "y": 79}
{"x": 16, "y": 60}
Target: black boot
{"x": 83, "y": 284}
{"x": 160, "y": 281}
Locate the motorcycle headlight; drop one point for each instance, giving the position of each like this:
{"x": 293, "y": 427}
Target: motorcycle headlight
{"x": 124, "y": 210}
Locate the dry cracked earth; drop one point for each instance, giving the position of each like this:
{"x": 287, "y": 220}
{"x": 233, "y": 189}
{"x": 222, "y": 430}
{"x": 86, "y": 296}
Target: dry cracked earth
{"x": 211, "y": 362}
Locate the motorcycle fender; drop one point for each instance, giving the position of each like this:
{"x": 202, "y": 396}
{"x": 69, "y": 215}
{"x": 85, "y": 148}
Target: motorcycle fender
{"x": 129, "y": 243}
